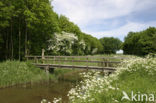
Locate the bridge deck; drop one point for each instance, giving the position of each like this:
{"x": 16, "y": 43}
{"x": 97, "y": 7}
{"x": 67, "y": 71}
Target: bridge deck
{"x": 74, "y": 66}
{"x": 77, "y": 62}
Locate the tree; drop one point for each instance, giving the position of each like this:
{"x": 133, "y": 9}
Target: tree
{"x": 140, "y": 43}
{"x": 93, "y": 45}
{"x": 110, "y": 45}
{"x": 62, "y": 43}
{"x": 31, "y": 21}
{"x": 67, "y": 26}
{"x": 26, "y": 26}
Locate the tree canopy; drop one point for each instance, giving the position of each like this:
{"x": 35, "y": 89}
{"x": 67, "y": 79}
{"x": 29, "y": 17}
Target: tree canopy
{"x": 110, "y": 45}
{"x": 140, "y": 43}
{"x": 27, "y": 26}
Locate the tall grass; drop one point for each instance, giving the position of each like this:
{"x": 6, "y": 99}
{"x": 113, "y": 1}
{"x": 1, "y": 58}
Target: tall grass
{"x": 15, "y": 72}
{"x": 137, "y": 75}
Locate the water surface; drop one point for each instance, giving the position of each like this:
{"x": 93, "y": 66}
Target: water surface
{"x": 36, "y": 92}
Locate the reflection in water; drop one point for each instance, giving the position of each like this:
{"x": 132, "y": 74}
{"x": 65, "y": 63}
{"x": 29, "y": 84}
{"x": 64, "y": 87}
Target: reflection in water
{"x": 35, "y": 93}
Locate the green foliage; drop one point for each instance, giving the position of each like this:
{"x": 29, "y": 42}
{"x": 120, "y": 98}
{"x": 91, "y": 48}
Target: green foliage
{"x": 27, "y": 26}
{"x": 6, "y": 12}
{"x": 71, "y": 44}
{"x": 67, "y": 26}
{"x": 1, "y": 42}
{"x": 93, "y": 45}
{"x": 140, "y": 43}
{"x": 137, "y": 75}
{"x": 110, "y": 45}
{"x": 15, "y": 72}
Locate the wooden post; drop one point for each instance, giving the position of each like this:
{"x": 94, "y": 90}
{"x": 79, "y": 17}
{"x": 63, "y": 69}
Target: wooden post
{"x": 87, "y": 63}
{"x": 103, "y": 72}
{"x": 43, "y": 57}
{"x": 72, "y": 62}
{"x": 103, "y": 63}
{"x": 27, "y": 58}
{"x": 65, "y": 60}
{"x": 43, "y": 54}
{"x": 59, "y": 61}
{"x": 35, "y": 58}
{"x": 107, "y": 62}
{"x": 54, "y": 59}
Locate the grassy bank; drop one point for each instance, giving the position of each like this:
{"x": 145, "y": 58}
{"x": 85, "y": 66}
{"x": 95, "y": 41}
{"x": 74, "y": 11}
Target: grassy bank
{"x": 15, "y": 72}
{"x": 137, "y": 75}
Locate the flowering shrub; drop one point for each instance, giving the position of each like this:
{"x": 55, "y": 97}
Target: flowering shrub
{"x": 68, "y": 43}
{"x": 64, "y": 42}
{"x": 137, "y": 74}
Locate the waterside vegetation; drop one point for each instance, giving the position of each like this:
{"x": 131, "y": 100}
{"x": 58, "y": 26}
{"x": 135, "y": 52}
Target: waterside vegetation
{"x": 19, "y": 73}
{"x": 134, "y": 75}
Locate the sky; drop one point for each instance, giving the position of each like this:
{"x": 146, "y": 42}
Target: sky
{"x": 108, "y": 18}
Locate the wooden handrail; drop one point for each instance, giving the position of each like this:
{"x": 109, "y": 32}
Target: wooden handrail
{"x": 100, "y": 57}
{"x": 84, "y": 61}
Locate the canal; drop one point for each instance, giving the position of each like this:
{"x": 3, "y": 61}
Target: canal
{"x": 34, "y": 93}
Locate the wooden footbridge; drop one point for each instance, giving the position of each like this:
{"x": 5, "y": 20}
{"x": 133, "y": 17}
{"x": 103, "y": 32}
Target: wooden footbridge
{"x": 107, "y": 64}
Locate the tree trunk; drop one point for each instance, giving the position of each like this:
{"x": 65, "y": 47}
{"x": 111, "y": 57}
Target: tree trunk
{"x": 12, "y": 45}
{"x": 26, "y": 33}
{"x": 19, "y": 52}
{"x": 6, "y": 46}
{"x": 26, "y": 52}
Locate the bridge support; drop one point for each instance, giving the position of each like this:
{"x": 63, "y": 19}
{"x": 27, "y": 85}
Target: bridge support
{"x": 43, "y": 57}
{"x": 46, "y": 68}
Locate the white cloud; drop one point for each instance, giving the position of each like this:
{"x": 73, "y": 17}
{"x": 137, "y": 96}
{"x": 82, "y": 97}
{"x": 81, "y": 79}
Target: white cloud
{"x": 122, "y": 31}
{"x": 83, "y": 11}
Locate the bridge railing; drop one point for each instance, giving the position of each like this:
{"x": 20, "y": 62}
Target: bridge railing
{"x": 77, "y": 60}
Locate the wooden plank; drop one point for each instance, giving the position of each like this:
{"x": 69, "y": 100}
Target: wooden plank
{"x": 85, "y": 61}
{"x": 78, "y": 67}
